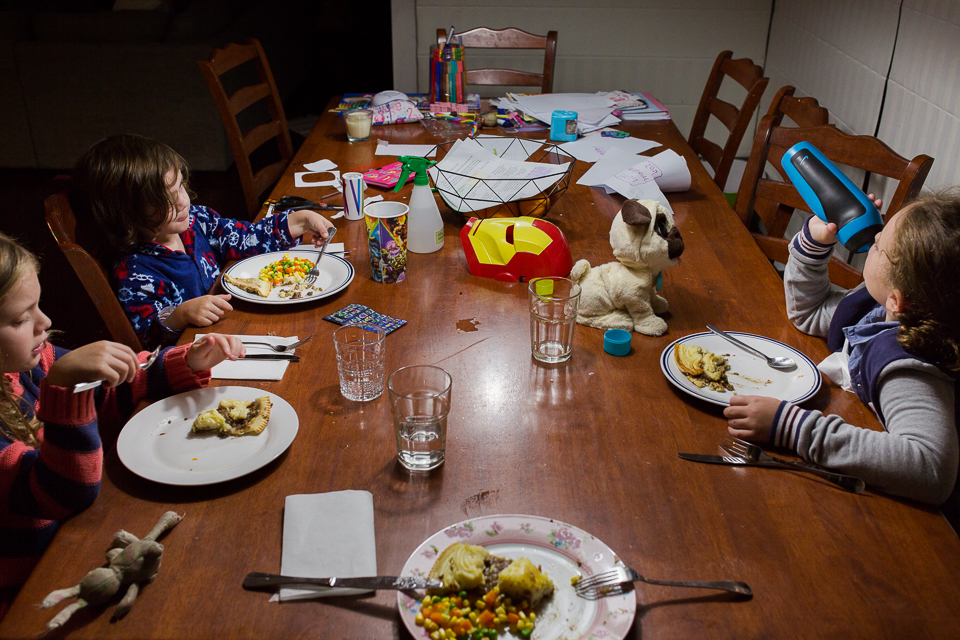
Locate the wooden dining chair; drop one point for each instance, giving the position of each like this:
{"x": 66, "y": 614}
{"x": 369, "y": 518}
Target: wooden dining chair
{"x": 233, "y": 103}
{"x": 773, "y": 202}
{"x": 484, "y": 38}
{"x": 736, "y": 120}
{"x": 63, "y": 226}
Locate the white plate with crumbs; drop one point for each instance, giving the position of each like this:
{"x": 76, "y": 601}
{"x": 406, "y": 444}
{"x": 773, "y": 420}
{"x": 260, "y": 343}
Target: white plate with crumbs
{"x": 335, "y": 275}
{"x": 562, "y": 551}
{"x": 749, "y": 375}
{"x": 157, "y": 443}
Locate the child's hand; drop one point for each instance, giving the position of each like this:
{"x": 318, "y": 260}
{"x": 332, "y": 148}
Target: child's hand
{"x": 200, "y": 312}
{"x": 213, "y": 349}
{"x": 822, "y": 232}
{"x": 751, "y": 417}
{"x": 877, "y": 202}
{"x": 305, "y": 220}
{"x": 111, "y": 362}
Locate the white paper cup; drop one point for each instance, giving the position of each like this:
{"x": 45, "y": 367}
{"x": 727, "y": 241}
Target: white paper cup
{"x": 353, "y": 188}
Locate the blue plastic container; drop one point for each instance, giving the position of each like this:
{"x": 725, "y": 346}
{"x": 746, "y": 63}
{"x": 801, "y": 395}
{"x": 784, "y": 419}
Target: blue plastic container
{"x": 616, "y": 342}
{"x": 563, "y": 126}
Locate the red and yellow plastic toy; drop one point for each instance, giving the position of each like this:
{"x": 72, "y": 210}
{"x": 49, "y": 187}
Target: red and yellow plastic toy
{"x": 515, "y": 249}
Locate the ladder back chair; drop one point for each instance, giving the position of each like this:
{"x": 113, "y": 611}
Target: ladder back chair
{"x": 244, "y": 144}
{"x": 750, "y": 77}
{"x": 779, "y": 198}
{"x": 484, "y": 38}
{"x": 63, "y": 226}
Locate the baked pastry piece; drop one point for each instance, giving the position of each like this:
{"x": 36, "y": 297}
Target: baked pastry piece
{"x": 702, "y": 368}
{"x": 235, "y": 417}
{"x": 245, "y": 417}
{"x": 209, "y": 420}
{"x": 523, "y": 580}
{"x": 251, "y": 285}
{"x": 460, "y": 567}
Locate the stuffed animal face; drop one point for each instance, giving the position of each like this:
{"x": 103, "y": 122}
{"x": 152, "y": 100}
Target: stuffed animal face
{"x": 643, "y": 234}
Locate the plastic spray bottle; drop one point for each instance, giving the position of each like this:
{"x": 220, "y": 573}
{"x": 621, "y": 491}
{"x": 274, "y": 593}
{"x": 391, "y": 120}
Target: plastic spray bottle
{"x": 424, "y": 224}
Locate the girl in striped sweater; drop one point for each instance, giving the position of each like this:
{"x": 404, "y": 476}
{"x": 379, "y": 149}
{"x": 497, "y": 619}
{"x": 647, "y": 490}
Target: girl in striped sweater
{"x": 50, "y": 438}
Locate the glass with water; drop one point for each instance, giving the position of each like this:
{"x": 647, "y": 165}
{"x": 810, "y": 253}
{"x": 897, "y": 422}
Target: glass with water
{"x": 361, "y": 353}
{"x": 553, "y": 315}
{"x": 420, "y": 402}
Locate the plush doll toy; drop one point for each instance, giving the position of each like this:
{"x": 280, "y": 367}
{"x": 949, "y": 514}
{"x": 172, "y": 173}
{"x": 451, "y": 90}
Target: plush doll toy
{"x": 623, "y": 294}
{"x": 130, "y": 561}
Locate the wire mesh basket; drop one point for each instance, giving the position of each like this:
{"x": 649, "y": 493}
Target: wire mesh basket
{"x": 487, "y": 197}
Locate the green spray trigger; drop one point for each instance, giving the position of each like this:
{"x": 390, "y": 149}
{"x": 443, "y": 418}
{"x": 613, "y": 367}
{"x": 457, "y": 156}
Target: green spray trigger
{"x": 419, "y": 167}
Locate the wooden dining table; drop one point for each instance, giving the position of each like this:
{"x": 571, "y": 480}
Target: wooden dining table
{"x": 591, "y": 442}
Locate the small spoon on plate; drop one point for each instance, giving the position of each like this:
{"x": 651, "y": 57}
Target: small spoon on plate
{"x": 779, "y": 362}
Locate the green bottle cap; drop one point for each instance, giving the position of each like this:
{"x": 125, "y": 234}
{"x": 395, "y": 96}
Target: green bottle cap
{"x": 544, "y": 287}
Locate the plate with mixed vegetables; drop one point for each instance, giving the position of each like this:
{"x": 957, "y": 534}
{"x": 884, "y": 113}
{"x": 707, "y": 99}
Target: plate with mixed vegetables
{"x": 280, "y": 276}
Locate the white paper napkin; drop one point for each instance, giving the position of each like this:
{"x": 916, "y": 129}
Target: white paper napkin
{"x": 328, "y": 535}
{"x": 254, "y": 369}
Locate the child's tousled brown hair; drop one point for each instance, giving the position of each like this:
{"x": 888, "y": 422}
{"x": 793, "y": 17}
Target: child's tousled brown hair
{"x": 119, "y": 186}
{"x": 15, "y": 263}
{"x": 925, "y": 267}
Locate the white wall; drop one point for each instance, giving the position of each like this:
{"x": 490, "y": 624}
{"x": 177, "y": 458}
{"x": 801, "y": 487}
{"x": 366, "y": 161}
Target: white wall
{"x": 665, "y": 48}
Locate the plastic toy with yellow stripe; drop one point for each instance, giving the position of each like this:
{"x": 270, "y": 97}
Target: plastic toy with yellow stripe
{"x": 515, "y": 249}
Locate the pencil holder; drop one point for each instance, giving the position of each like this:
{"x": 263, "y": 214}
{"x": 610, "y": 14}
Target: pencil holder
{"x": 447, "y": 74}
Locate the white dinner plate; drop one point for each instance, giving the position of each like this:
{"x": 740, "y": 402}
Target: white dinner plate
{"x": 157, "y": 443}
{"x": 749, "y": 375}
{"x": 560, "y": 550}
{"x": 335, "y": 274}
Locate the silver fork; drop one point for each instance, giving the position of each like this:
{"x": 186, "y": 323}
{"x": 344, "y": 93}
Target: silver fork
{"x": 281, "y": 348}
{"x": 313, "y": 273}
{"x": 612, "y": 582}
{"x": 85, "y": 386}
{"x": 752, "y": 453}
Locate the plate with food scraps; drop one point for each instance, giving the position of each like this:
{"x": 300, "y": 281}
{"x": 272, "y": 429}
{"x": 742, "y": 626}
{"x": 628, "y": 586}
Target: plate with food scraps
{"x": 158, "y": 443}
{"x": 561, "y": 551}
{"x": 748, "y": 374}
{"x": 335, "y": 274}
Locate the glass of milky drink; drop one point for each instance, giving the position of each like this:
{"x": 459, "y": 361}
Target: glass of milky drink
{"x": 420, "y": 402}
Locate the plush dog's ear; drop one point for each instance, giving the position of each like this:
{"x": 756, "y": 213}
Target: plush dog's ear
{"x": 635, "y": 214}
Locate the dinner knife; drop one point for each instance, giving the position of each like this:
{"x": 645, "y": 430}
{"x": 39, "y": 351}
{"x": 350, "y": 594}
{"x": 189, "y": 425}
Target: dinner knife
{"x": 269, "y": 581}
{"x": 271, "y": 356}
{"x": 739, "y": 462}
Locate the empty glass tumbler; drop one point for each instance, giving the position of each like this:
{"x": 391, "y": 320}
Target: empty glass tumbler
{"x": 553, "y": 316}
{"x": 361, "y": 352}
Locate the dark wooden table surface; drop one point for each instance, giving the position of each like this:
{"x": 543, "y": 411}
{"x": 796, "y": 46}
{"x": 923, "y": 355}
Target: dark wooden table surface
{"x": 592, "y": 442}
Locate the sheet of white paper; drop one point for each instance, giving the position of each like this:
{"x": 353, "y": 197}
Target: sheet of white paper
{"x": 320, "y": 166}
{"x": 592, "y": 148}
{"x": 310, "y": 179}
{"x": 550, "y": 102}
{"x": 649, "y": 178}
{"x": 508, "y": 148}
{"x": 611, "y": 163}
{"x": 328, "y": 535}
{"x": 384, "y": 148}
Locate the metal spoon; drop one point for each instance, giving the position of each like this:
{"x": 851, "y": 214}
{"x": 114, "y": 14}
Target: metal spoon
{"x": 779, "y": 362}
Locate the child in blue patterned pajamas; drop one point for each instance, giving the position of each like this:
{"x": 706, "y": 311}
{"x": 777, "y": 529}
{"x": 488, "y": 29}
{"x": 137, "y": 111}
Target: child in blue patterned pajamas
{"x": 896, "y": 343}
{"x": 168, "y": 252}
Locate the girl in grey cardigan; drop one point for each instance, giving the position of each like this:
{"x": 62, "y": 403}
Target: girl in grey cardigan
{"x": 896, "y": 343}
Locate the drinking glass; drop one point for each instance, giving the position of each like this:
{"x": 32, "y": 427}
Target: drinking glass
{"x": 553, "y": 316}
{"x": 361, "y": 352}
{"x": 420, "y": 402}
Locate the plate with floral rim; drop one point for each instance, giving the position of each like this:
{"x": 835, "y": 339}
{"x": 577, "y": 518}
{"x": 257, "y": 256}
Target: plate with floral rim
{"x": 561, "y": 550}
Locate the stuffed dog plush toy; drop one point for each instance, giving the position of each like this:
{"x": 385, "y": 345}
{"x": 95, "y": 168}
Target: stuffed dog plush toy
{"x": 622, "y": 294}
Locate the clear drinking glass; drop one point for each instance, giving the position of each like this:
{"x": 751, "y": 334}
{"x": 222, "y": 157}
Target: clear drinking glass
{"x": 553, "y": 316}
{"x": 420, "y": 402}
{"x": 361, "y": 352}
{"x": 358, "y": 124}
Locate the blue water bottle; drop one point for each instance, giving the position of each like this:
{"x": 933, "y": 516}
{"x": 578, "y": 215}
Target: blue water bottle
{"x": 832, "y": 196}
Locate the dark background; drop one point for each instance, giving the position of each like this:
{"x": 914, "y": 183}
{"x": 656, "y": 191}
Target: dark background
{"x": 344, "y": 61}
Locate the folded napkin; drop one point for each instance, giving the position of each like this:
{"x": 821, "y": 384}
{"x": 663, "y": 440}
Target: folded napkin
{"x": 254, "y": 369}
{"x": 328, "y": 535}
